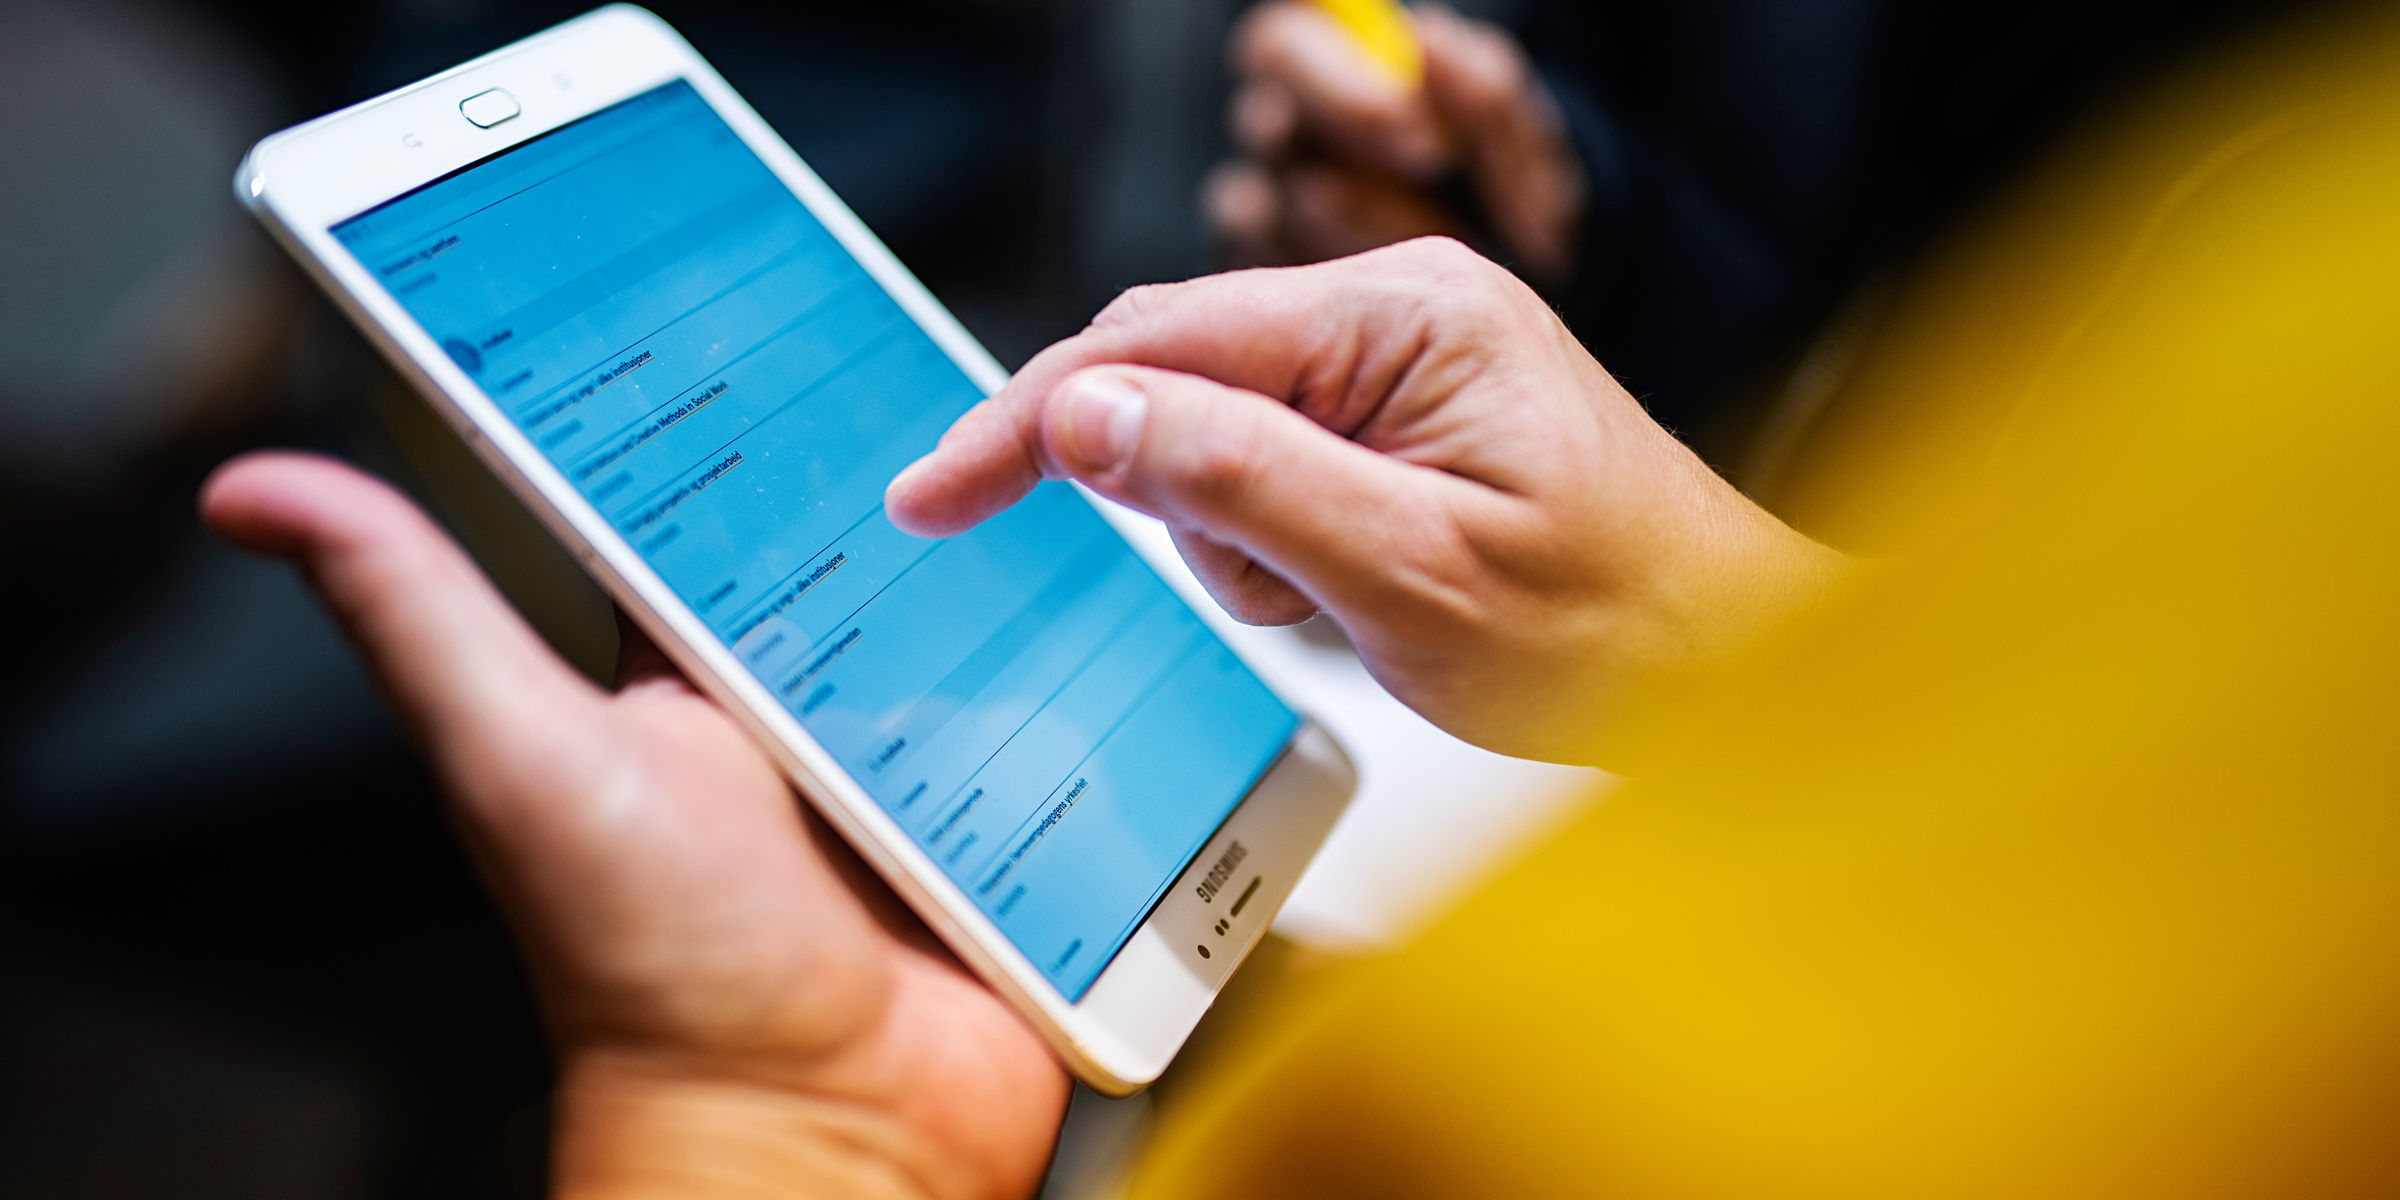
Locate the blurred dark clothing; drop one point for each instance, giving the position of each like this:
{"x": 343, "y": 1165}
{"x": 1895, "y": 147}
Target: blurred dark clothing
{"x": 1752, "y": 159}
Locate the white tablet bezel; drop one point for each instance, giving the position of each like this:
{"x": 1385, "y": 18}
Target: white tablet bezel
{"x": 303, "y": 181}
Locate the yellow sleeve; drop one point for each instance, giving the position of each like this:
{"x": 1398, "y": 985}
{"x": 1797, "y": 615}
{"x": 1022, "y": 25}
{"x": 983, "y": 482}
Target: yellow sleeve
{"x": 2060, "y": 858}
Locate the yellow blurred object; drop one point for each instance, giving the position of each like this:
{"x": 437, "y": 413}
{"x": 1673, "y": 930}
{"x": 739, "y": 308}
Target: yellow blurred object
{"x": 2060, "y": 855}
{"x": 1381, "y": 29}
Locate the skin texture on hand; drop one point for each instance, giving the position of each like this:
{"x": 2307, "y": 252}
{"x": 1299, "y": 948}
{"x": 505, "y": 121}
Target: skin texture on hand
{"x": 1411, "y": 441}
{"x": 738, "y": 1007}
{"x": 1338, "y": 156}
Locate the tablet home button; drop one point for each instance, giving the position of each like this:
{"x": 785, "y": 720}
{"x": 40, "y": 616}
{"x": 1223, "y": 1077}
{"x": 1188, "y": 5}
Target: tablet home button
{"x": 490, "y": 108}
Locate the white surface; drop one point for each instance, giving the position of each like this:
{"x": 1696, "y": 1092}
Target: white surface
{"x": 1432, "y": 812}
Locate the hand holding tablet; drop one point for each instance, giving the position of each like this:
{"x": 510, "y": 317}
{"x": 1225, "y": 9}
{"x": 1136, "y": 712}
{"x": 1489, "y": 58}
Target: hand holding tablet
{"x": 701, "y": 371}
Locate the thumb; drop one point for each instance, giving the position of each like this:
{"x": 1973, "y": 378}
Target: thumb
{"x": 479, "y": 687}
{"x": 1247, "y": 472}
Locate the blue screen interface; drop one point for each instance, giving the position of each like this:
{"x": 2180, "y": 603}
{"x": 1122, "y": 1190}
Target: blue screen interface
{"x": 732, "y": 390}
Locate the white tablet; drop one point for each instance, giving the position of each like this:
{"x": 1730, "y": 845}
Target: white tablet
{"x": 687, "y": 357}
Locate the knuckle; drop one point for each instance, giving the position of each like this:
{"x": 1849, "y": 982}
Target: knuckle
{"x": 1226, "y": 457}
{"x": 1134, "y": 307}
{"x": 1439, "y": 577}
{"x": 1446, "y": 253}
{"x": 1462, "y": 275}
{"x": 1449, "y": 282}
{"x": 1433, "y": 252}
{"x": 1500, "y": 74}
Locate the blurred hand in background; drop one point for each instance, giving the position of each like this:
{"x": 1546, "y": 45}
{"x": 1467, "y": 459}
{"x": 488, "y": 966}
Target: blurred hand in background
{"x": 1339, "y": 154}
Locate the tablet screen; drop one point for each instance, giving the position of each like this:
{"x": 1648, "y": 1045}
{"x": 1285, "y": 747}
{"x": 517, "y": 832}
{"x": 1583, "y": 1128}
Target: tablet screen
{"x": 732, "y": 390}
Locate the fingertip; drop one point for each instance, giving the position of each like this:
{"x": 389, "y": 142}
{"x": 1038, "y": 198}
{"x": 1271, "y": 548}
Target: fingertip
{"x": 455, "y": 658}
{"x": 1240, "y": 202}
{"x": 1322, "y": 67}
{"x": 1473, "y": 72}
{"x": 230, "y": 488}
{"x": 261, "y": 500}
{"x": 1264, "y": 118}
{"x": 1431, "y": 17}
{"x": 907, "y": 502}
{"x": 936, "y": 497}
{"x": 986, "y": 461}
{"x": 224, "y": 495}
{"x": 1252, "y": 50}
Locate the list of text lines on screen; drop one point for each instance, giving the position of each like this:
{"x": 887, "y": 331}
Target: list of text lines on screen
{"x": 731, "y": 390}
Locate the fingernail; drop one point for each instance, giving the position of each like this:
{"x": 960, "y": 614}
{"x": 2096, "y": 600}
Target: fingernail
{"x": 1104, "y": 419}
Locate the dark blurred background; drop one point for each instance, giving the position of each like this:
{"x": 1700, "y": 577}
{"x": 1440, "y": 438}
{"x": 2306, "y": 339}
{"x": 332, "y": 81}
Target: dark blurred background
{"x": 239, "y": 955}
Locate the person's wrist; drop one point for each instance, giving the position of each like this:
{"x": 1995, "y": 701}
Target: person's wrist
{"x": 1693, "y": 572}
{"x": 633, "y": 1124}
{"x": 1735, "y": 570}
